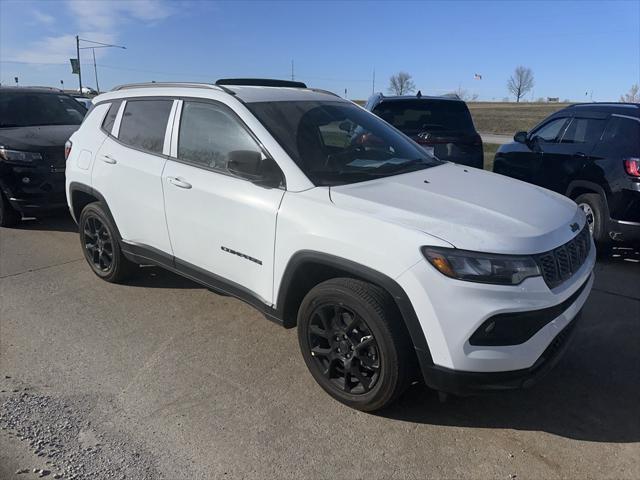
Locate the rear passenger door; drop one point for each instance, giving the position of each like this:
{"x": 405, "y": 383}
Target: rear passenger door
{"x": 128, "y": 170}
{"x": 562, "y": 161}
{"x": 222, "y": 227}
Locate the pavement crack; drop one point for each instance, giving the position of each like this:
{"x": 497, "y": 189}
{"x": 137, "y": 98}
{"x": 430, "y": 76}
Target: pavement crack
{"x": 40, "y": 268}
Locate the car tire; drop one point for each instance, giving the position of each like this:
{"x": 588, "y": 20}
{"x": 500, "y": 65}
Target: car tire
{"x": 9, "y": 217}
{"x": 594, "y": 208}
{"x": 354, "y": 343}
{"x": 101, "y": 246}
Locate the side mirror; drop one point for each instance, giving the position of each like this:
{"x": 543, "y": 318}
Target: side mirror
{"x": 250, "y": 165}
{"x": 520, "y": 137}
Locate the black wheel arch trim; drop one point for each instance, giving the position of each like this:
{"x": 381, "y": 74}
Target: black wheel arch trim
{"x": 579, "y": 184}
{"x": 401, "y": 299}
{"x": 81, "y": 187}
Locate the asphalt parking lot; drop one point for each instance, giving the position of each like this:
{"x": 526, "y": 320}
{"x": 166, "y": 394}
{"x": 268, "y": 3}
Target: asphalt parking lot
{"x": 161, "y": 378}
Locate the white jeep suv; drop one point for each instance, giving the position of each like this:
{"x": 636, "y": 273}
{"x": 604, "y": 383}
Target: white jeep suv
{"x": 391, "y": 263}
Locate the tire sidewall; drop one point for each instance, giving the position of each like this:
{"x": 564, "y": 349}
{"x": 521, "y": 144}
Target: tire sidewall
{"x": 388, "y": 377}
{"x": 599, "y": 217}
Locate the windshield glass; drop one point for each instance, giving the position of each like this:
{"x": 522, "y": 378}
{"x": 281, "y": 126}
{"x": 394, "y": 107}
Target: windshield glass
{"x": 337, "y": 142}
{"x": 28, "y": 109}
{"x": 416, "y": 116}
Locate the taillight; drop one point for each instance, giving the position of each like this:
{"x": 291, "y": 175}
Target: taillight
{"x": 67, "y": 148}
{"x": 632, "y": 166}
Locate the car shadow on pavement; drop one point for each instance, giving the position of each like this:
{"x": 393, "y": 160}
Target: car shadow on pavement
{"x": 58, "y": 223}
{"x": 593, "y": 394}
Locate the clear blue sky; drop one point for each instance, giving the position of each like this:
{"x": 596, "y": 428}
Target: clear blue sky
{"x": 572, "y": 47}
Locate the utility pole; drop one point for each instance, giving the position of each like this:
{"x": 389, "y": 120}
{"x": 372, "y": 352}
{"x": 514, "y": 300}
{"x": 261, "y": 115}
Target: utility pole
{"x": 292, "y": 76}
{"x": 93, "y": 49}
{"x": 78, "y": 57}
{"x": 95, "y": 69}
{"x": 373, "y": 85}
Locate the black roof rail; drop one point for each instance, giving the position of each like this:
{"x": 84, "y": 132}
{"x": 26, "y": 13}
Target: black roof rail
{"x": 260, "y": 82}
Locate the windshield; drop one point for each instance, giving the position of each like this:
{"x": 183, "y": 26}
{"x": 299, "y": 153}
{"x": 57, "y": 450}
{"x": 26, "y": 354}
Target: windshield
{"x": 28, "y": 109}
{"x": 337, "y": 142}
{"x": 416, "y": 116}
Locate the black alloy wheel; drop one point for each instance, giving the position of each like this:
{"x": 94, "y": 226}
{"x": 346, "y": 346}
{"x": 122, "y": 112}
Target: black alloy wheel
{"x": 100, "y": 244}
{"x": 355, "y": 344}
{"x": 344, "y": 348}
{"x": 97, "y": 243}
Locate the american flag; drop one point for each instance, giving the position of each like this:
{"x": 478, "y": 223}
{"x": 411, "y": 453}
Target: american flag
{"x": 477, "y": 76}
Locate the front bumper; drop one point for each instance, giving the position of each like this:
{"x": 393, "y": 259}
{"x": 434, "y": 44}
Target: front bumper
{"x": 451, "y": 311}
{"x": 33, "y": 189}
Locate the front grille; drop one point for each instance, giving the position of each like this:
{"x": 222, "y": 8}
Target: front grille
{"x": 561, "y": 263}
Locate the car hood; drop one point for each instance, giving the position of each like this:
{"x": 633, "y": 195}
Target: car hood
{"x": 469, "y": 208}
{"x": 36, "y": 138}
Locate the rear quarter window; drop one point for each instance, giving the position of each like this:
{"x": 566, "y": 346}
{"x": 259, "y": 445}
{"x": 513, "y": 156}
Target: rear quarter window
{"x": 622, "y": 136}
{"x": 144, "y": 123}
{"x": 110, "y": 118}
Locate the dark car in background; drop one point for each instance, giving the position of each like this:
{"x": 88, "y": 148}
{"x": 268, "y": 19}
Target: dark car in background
{"x": 35, "y": 123}
{"x": 590, "y": 153}
{"x": 442, "y": 125}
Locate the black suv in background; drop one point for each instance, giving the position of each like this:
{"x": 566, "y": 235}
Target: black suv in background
{"x": 590, "y": 153}
{"x": 35, "y": 123}
{"x": 442, "y": 125}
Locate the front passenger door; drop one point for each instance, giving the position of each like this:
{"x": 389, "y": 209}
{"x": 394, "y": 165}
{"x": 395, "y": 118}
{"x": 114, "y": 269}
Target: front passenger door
{"x": 221, "y": 226}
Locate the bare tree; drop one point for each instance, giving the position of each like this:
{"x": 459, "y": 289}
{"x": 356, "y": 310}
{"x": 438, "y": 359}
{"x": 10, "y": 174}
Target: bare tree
{"x": 632, "y": 96}
{"x": 401, "y": 84}
{"x": 521, "y": 82}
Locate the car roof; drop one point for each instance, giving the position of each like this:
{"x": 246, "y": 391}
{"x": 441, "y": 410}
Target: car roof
{"x": 7, "y": 89}
{"x": 244, "y": 93}
{"x": 605, "y": 107}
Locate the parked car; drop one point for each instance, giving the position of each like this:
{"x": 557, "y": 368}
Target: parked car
{"x": 442, "y": 125}
{"x": 85, "y": 101}
{"x": 590, "y": 153}
{"x": 321, "y": 215}
{"x": 35, "y": 123}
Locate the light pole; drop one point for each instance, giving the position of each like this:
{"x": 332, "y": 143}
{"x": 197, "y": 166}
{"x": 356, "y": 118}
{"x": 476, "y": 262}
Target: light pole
{"x": 93, "y": 49}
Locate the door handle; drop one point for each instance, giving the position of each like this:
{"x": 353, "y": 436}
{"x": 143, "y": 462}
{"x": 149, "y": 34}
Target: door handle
{"x": 178, "y": 182}
{"x": 108, "y": 159}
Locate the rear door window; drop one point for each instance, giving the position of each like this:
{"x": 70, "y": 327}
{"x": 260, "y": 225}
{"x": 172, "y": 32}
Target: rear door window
{"x": 144, "y": 123}
{"x": 583, "y": 130}
{"x": 622, "y": 136}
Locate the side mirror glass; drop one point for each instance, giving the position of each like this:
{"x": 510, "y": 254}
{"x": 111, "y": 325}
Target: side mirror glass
{"x": 250, "y": 165}
{"x": 520, "y": 137}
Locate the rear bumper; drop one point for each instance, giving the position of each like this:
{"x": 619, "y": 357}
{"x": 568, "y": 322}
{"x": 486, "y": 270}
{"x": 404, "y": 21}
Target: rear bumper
{"x": 468, "y": 383}
{"x": 625, "y": 232}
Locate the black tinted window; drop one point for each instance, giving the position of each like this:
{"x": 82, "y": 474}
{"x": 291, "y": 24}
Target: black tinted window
{"x": 144, "y": 123}
{"x": 27, "y": 109}
{"x": 109, "y": 120}
{"x": 583, "y": 130}
{"x": 623, "y": 136}
{"x": 209, "y": 133}
{"x": 415, "y": 116}
{"x": 550, "y": 132}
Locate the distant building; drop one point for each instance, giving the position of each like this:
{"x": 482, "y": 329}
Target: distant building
{"x": 553, "y": 99}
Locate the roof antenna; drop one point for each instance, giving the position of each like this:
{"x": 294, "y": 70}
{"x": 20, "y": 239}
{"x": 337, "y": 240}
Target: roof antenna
{"x": 419, "y": 94}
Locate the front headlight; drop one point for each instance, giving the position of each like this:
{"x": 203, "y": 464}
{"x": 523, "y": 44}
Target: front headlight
{"x": 17, "y": 156}
{"x": 481, "y": 267}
